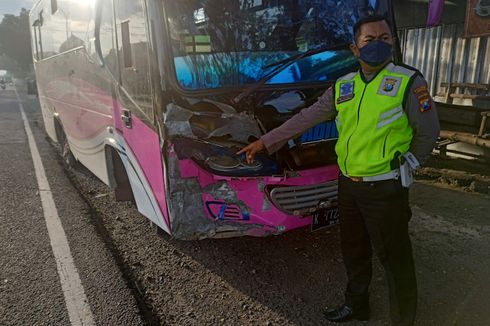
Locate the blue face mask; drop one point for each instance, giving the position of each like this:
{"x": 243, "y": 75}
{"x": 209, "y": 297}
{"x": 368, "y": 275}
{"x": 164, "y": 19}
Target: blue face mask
{"x": 376, "y": 53}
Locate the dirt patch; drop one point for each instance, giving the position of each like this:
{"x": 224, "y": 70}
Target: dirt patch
{"x": 470, "y": 176}
{"x": 450, "y": 232}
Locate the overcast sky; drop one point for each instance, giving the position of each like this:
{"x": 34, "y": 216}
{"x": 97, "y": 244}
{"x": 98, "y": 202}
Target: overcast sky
{"x": 14, "y": 6}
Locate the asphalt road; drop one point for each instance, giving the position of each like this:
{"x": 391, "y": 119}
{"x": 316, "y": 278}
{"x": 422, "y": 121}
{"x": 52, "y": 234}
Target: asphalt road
{"x": 30, "y": 289}
{"x": 134, "y": 276}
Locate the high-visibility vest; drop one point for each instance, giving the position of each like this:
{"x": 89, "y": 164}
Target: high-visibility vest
{"x": 373, "y": 127}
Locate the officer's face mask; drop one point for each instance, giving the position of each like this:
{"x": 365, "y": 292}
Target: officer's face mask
{"x": 376, "y": 52}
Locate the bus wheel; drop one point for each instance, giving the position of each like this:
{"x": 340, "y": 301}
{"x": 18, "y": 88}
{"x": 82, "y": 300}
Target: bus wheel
{"x": 69, "y": 161}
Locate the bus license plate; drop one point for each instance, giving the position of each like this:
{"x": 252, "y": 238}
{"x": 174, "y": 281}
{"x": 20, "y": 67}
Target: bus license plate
{"x": 324, "y": 218}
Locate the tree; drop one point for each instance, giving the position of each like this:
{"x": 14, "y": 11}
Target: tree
{"x": 15, "y": 39}
{"x": 7, "y": 63}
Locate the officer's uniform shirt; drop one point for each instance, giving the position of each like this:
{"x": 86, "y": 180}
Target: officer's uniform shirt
{"x": 421, "y": 114}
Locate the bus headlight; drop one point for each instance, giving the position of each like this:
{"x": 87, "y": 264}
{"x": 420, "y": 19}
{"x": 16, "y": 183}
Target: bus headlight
{"x": 223, "y": 160}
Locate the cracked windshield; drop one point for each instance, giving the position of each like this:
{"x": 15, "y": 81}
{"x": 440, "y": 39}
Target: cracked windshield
{"x": 223, "y": 43}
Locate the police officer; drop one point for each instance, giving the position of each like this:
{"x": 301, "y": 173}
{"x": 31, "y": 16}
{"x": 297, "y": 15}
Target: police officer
{"x": 387, "y": 126}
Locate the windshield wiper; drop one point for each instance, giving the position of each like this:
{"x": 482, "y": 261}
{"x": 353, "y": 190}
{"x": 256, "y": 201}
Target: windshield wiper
{"x": 280, "y": 66}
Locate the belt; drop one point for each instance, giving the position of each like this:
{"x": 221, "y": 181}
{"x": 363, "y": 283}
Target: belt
{"x": 394, "y": 174}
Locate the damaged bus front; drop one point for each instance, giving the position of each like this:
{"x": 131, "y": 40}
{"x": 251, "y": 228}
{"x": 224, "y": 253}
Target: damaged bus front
{"x": 241, "y": 69}
{"x": 155, "y": 97}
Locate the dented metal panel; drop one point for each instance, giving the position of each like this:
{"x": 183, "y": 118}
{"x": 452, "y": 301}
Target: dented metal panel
{"x": 177, "y": 121}
{"x": 187, "y": 212}
{"x": 442, "y": 54}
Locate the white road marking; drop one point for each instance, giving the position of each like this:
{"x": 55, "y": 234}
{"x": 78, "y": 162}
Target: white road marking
{"x": 75, "y": 298}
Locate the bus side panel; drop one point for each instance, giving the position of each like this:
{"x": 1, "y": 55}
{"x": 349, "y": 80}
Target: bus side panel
{"x": 78, "y": 91}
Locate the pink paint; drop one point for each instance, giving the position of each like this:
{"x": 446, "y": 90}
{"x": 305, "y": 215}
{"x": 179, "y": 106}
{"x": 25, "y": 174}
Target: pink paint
{"x": 190, "y": 169}
{"x": 87, "y": 111}
{"x": 436, "y": 8}
{"x": 144, "y": 143}
{"x": 249, "y": 191}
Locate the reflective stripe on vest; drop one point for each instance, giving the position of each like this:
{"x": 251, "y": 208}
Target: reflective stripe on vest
{"x": 371, "y": 121}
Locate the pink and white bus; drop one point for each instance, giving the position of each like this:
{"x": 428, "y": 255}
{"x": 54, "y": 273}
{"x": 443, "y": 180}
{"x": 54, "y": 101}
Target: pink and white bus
{"x": 155, "y": 97}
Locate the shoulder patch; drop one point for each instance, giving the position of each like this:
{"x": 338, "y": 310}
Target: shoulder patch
{"x": 423, "y": 97}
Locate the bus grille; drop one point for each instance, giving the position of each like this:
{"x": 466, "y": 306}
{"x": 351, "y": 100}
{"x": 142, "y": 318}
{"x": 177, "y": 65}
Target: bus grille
{"x": 304, "y": 200}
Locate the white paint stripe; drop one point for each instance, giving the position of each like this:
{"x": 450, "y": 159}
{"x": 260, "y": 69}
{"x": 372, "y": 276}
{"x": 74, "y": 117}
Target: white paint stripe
{"x": 390, "y": 112}
{"x": 75, "y": 298}
{"x": 390, "y": 120}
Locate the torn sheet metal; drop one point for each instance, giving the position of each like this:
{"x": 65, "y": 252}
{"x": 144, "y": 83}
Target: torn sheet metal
{"x": 222, "y": 191}
{"x": 239, "y": 126}
{"x": 177, "y": 121}
{"x": 187, "y": 212}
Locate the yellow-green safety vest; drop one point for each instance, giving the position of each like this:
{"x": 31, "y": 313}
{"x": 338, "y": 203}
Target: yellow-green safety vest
{"x": 372, "y": 124}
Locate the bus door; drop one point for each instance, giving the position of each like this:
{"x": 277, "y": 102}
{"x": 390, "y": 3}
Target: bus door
{"x": 133, "y": 109}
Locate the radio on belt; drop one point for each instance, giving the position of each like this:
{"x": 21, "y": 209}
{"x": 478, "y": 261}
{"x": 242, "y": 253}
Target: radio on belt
{"x": 408, "y": 164}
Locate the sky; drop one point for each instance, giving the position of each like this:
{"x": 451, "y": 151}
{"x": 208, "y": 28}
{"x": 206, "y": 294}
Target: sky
{"x": 14, "y": 6}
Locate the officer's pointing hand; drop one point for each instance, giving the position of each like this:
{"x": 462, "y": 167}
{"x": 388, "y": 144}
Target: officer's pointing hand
{"x": 251, "y": 149}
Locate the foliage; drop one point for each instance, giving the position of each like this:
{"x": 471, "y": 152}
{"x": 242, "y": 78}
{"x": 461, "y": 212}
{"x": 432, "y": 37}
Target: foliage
{"x": 7, "y": 63}
{"x": 15, "y": 40}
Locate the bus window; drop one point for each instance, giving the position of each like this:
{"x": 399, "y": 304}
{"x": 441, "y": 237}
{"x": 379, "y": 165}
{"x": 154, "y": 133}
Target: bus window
{"x": 81, "y": 22}
{"x": 107, "y": 40}
{"x": 58, "y": 26}
{"x": 51, "y": 35}
{"x": 158, "y": 37}
{"x": 134, "y": 54}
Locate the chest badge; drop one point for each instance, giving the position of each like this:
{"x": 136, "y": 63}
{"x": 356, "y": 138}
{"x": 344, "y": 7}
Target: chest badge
{"x": 346, "y": 92}
{"x": 390, "y": 86}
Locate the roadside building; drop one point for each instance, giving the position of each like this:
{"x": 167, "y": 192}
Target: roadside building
{"x": 454, "y": 57}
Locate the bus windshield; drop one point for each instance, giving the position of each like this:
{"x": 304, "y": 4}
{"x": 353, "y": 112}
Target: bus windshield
{"x": 233, "y": 43}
